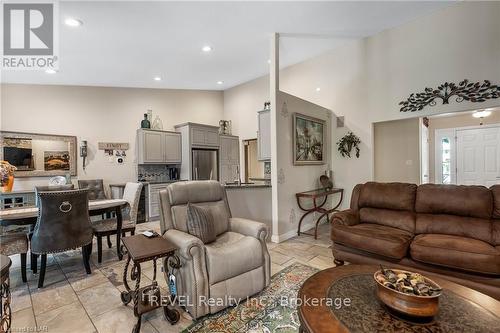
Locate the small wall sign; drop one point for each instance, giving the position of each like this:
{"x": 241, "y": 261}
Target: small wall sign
{"x": 113, "y": 146}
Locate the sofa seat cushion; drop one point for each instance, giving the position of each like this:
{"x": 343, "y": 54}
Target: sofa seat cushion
{"x": 232, "y": 254}
{"x": 458, "y": 252}
{"x": 374, "y": 238}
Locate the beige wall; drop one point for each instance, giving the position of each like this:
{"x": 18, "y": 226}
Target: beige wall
{"x": 296, "y": 178}
{"x": 459, "y": 120}
{"x": 364, "y": 80}
{"x": 100, "y": 114}
{"x": 396, "y": 150}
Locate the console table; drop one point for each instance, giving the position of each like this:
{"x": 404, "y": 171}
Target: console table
{"x": 321, "y": 194}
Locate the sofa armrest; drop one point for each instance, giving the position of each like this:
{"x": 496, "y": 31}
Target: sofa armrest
{"x": 248, "y": 228}
{"x": 346, "y": 217}
{"x": 189, "y": 245}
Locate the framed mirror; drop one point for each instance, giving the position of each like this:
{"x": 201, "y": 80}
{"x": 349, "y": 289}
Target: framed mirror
{"x": 39, "y": 155}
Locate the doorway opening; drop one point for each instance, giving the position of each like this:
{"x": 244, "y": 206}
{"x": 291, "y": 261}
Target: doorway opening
{"x": 463, "y": 149}
{"x": 254, "y": 169}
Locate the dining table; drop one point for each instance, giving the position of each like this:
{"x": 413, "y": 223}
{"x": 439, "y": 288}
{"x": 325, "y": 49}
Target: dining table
{"x": 29, "y": 215}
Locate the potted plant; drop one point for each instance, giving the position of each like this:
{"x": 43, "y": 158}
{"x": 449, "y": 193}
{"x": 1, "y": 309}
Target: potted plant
{"x": 348, "y": 142}
{"x": 6, "y": 176}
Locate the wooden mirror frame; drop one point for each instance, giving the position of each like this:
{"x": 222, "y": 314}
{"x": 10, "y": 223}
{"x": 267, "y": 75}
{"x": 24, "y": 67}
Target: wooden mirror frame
{"x": 49, "y": 137}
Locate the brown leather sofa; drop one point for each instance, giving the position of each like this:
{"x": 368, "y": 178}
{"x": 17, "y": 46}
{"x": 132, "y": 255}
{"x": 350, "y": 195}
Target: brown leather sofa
{"x": 447, "y": 230}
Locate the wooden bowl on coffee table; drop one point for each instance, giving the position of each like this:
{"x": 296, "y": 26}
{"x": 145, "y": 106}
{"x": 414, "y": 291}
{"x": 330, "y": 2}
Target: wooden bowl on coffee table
{"x": 408, "y": 304}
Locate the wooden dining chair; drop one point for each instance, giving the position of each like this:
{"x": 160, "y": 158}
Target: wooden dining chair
{"x": 63, "y": 224}
{"x": 108, "y": 227}
{"x": 44, "y": 188}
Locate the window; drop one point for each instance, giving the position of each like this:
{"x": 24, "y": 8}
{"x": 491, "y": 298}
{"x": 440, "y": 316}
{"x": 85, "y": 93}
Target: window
{"x": 446, "y": 160}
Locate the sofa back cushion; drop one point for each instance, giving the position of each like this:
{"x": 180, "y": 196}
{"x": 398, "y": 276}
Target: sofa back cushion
{"x": 495, "y": 190}
{"x": 355, "y": 197}
{"x": 400, "y": 219}
{"x": 461, "y": 200}
{"x": 471, "y": 227}
{"x": 496, "y": 232}
{"x": 395, "y": 196}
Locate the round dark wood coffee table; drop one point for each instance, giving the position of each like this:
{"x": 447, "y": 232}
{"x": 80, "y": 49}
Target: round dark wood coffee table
{"x": 342, "y": 299}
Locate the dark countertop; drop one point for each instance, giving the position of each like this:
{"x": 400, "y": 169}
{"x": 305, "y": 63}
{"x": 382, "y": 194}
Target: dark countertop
{"x": 247, "y": 186}
{"x": 147, "y": 183}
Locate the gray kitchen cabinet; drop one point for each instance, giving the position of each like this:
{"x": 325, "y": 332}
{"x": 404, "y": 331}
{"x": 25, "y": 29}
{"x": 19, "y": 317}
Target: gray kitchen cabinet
{"x": 197, "y": 137}
{"x": 264, "y": 136}
{"x": 229, "y": 158}
{"x": 202, "y": 135}
{"x": 153, "y": 200}
{"x": 173, "y": 148}
{"x": 158, "y": 147}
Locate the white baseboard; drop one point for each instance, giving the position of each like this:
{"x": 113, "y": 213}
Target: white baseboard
{"x": 292, "y": 233}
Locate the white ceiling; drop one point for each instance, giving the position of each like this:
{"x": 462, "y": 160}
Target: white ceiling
{"x": 126, "y": 44}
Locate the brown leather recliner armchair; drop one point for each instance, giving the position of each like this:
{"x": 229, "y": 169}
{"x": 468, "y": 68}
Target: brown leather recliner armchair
{"x": 448, "y": 230}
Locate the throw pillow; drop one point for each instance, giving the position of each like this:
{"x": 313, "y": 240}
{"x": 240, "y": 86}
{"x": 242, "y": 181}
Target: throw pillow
{"x": 200, "y": 223}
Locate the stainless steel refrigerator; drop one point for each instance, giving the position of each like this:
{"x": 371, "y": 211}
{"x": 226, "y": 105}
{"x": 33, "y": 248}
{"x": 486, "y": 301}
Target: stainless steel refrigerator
{"x": 205, "y": 164}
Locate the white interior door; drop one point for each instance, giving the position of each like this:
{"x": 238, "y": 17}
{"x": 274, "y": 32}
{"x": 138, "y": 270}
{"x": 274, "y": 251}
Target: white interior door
{"x": 478, "y": 156}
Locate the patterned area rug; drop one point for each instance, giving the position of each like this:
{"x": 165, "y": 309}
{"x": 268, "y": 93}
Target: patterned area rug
{"x": 273, "y": 310}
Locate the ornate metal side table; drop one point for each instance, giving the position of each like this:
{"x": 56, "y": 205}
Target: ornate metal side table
{"x": 314, "y": 195}
{"x": 141, "y": 249}
{"x": 5, "y": 311}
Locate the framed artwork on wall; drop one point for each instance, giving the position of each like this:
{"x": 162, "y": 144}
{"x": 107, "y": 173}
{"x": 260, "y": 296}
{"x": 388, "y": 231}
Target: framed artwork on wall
{"x": 308, "y": 140}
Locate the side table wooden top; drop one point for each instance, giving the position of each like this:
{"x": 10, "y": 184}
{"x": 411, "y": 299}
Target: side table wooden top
{"x": 141, "y": 248}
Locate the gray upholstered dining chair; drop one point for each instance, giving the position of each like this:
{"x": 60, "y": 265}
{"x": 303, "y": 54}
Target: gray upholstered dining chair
{"x": 95, "y": 188}
{"x": 44, "y": 188}
{"x": 15, "y": 243}
{"x": 63, "y": 224}
{"x": 236, "y": 264}
{"x": 108, "y": 227}
{"x": 96, "y": 192}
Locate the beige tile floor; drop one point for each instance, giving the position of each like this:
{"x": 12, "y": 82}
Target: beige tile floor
{"x": 73, "y": 301}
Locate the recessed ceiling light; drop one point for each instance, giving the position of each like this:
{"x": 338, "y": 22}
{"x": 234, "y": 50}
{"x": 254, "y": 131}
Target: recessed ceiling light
{"x": 220, "y": 82}
{"x": 318, "y": 89}
{"x": 50, "y": 71}
{"x": 268, "y": 61}
{"x": 157, "y": 78}
{"x": 206, "y": 48}
{"x": 73, "y": 22}
{"x": 481, "y": 114}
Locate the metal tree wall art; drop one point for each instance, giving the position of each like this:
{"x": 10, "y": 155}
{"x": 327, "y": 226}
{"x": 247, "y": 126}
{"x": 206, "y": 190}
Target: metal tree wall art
{"x": 464, "y": 91}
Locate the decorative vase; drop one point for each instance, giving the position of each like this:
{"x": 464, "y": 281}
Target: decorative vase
{"x": 157, "y": 123}
{"x": 225, "y": 127}
{"x": 8, "y": 186}
{"x": 145, "y": 122}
